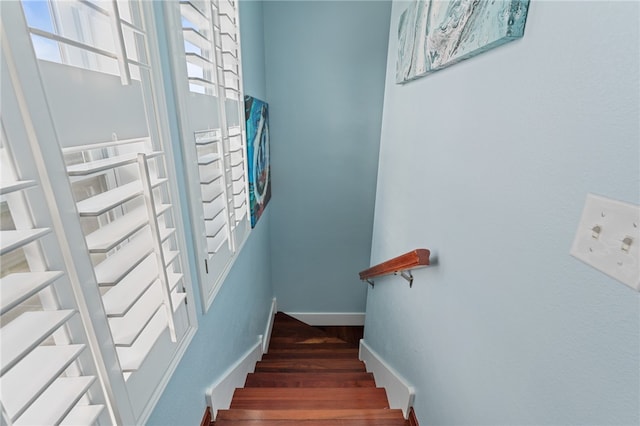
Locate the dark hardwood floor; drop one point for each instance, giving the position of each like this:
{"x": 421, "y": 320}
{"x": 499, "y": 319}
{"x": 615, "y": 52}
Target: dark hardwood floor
{"x": 311, "y": 377}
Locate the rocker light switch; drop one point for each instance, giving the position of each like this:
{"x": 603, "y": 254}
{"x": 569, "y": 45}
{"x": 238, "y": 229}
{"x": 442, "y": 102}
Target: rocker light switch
{"x": 608, "y": 238}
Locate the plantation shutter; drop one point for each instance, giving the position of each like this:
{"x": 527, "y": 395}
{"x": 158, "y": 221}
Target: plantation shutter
{"x": 204, "y": 37}
{"x": 106, "y": 116}
{"x": 47, "y": 371}
{"x": 135, "y": 262}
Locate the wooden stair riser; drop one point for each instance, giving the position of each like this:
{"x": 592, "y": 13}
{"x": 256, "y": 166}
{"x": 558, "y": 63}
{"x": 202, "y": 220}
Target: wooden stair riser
{"x": 286, "y": 328}
{"x": 306, "y": 365}
{"x": 331, "y": 422}
{"x": 311, "y": 353}
{"x": 308, "y": 346}
{"x": 305, "y": 340}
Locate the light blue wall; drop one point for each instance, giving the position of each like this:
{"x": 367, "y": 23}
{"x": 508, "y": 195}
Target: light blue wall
{"x": 252, "y": 40}
{"x": 325, "y": 80}
{"x": 488, "y": 163}
{"x": 240, "y": 311}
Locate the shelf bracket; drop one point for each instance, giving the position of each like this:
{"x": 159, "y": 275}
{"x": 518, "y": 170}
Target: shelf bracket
{"x": 407, "y": 276}
{"x": 370, "y": 282}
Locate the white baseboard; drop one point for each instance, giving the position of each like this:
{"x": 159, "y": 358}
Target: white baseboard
{"x": 269, "y": 327}
{"x": 329, "y": 318}
{"x": 220, "y": 394}
{"x": 399, "y": 392}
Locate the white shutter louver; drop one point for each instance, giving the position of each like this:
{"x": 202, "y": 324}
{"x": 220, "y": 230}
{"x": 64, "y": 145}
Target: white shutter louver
{"x": 237, "y": 157}
{"x": 44, "y": 353}
{"x": 212, "y": 186}
{"x": 199, "y": 52}
{"x": 227, "y": 23}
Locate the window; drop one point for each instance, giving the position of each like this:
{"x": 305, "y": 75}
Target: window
{"x": 204, "y": 37}
{"x": 100, "y": 36}
{"x": 123, "y": 290}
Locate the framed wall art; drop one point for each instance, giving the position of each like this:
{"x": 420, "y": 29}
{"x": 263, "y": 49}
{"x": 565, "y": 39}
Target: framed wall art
{"x": 434, "y": 34}
{"x": 257, "y": 117}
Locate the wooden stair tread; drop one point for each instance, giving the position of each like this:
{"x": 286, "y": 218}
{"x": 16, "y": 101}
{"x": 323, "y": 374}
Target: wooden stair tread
{"x": 324, "y": 422}
{"x": 307, "y": 364}
{"x": 310, "y": 380}
{"x": 309, "y": 398}
{"x": 358, "y": 414}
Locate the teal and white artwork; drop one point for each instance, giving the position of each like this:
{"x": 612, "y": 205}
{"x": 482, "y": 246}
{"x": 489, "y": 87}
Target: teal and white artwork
{"x": 433, "y": 34}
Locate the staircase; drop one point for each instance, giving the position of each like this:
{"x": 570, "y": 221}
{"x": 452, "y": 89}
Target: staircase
{"x": 309, "y": 378}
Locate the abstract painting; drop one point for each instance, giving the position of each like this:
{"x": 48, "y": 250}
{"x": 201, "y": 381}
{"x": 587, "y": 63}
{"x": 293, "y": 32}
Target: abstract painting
{"x": 257, "y": 117}
{"x": 433, "y": 34}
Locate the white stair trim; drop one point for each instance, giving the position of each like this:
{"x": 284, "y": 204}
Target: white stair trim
{"x": 399, "y": 392}
{"x": 269, "y": 327}
{"x": 329, "y": 318}
{"x": 220, "y": 394}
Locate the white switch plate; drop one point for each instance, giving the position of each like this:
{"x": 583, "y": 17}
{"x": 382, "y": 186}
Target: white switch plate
{"x": 608, "y": 238}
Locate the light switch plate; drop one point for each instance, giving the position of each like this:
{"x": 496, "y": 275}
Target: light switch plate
{"x": 608, "y": 238}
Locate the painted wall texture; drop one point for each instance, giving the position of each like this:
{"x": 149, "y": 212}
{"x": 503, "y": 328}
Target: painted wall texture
{"x": 488, "y": 164}
{"x": 240, "y": 311}
{"x": 325, "y": 82}
{"x": 252, "y": 46}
